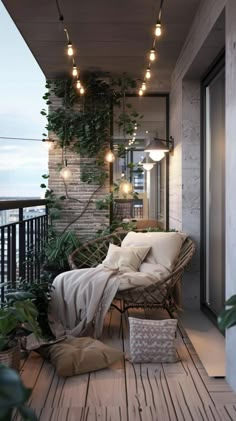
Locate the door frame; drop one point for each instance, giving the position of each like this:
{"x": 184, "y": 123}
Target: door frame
{"x": 217, "y": 66}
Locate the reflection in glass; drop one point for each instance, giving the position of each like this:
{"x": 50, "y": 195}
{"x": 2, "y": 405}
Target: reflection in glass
{"x": 148, "y": 201}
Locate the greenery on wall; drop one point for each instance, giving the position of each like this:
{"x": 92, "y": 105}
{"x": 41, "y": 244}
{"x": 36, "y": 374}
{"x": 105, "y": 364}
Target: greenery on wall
{"x": 83, "y": 124}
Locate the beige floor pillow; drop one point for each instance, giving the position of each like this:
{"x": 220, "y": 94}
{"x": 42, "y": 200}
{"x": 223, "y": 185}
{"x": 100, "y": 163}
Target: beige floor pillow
{"x": 82, "y": 355}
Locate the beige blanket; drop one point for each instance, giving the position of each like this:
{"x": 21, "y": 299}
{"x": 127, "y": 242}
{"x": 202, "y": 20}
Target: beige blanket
{"x": 82, "y": 297}
{"x": 80, "y": 301}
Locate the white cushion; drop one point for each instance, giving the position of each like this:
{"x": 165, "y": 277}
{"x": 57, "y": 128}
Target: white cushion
{"x": 125, "y": 259}
{"x": 152, "y": 341}
{"x": 154, "y": 268}
{"x": 165, "y": 246}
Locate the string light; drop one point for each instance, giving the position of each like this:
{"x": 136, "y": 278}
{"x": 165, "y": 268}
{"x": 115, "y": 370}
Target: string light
{"x": 81, "y": 90}
{"x": 152, "y": 55}
{"x": 144, "y": 86}
{"x": 158, "y": 29}
{"x": 148, "y": 73}
{"x": 125, "y": 187}
{"x": 65, "y": 173}
{"x": 74, "y": 71}
{"x": 110, "y": 157}
{"x": 70, "y": 51}
{"x": 140, "y": 92}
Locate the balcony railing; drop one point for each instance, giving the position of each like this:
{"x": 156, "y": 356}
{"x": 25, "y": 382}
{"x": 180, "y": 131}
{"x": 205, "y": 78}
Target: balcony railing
{"x": 23, "y": 230}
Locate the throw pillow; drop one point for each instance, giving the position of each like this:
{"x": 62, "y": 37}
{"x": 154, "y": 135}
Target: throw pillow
{"x": 82, "y": 355}
{"x": 165, "y": 246}
{"x": 125, "y": 259}
{"x": 152, "y": 341}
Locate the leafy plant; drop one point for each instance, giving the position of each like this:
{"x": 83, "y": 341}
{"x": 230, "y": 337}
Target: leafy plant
{"x": 40, "y": 290}
{"x": 18, "y": 312}
{"x": 13, "y": 395}
{"x": 57, "y": 249}
{"x": 227, "y": 317}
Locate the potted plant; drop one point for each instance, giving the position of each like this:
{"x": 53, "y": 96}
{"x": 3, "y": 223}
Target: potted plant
{"x": 18, "y": 316}
{"x": 227, "y": 317}
{"x": 13, "y": 395}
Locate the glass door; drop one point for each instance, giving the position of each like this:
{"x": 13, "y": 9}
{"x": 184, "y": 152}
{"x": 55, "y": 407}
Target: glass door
{"x": 213, "y": 184}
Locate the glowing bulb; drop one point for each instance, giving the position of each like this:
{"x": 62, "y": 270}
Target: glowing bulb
{"x": 78, "y": 84}
{"x": 81, "y": 90}
{"x": 148, "y": 74}
{"x": 65, "y": 173}
{"x": 144, "y": 86}
{"x": 152, "y": 55}
{"x": 70, "y": 51}
{"x": 148, "y": 166}
{"x": 140, "y": 92}
{"x": 158, "y": 29}
{"x": 110, "y": 157}
{"x": 157, "y": 155}
{"x": 125, "y": 187}
{"x": 74, "y": 71}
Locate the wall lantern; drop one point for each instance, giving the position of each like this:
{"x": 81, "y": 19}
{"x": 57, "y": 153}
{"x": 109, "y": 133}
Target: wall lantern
{"x": 157, "y": 149}
{"x": 148, "y": 163}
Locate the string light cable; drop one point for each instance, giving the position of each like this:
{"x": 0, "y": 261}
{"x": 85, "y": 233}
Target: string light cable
{"x": 152, "y": 53}
{"x": 70, "y": 51}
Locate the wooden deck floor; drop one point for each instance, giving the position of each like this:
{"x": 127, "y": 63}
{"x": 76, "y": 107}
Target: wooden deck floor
{"x": 130, "y": 392}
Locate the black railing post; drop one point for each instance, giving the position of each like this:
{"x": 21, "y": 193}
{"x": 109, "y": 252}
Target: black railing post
{"x": 21, "y": 244}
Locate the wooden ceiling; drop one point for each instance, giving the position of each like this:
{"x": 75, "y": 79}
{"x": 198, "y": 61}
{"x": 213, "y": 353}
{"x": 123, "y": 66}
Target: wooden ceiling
{"x": 109, "y": 35}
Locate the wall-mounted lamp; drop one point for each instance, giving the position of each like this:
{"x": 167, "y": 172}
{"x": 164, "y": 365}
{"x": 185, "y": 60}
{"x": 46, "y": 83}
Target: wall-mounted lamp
{"x": 157, "y": 149}
{"x": 148, "y": 163}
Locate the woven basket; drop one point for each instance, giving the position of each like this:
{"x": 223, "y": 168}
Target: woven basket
{"x": 11, "y": 357}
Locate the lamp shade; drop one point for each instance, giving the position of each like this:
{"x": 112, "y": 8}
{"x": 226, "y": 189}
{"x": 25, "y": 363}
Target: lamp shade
{"x": 156, "y": 149}
{"x": 148, "y": 163}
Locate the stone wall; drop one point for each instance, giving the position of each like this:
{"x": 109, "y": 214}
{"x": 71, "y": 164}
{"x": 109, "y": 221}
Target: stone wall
{"x": 79, "y": 193}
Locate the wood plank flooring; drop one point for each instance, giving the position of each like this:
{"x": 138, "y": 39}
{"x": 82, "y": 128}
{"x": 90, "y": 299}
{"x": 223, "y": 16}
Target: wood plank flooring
{"x": 131, "y": 392}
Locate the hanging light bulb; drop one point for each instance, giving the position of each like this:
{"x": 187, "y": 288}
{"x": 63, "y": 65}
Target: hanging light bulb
{"x": 158, "y": 29}
{"x": 152, "y": 55}
{"x": 70, "y": 51}
{"x": 78, "y": 84}
{"x": 74, "y": 71}
{"x": 148, "y": 73}
{"x": 125, "y": 187}
{"x": 110, "y": 157}
{"x": 140, "y": 92}
{"x": 144, "y": 86}
{"x": 65, "y": 173}
{"x": 81, "y": 90}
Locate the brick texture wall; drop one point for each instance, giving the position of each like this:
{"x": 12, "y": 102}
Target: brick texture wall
{"x": 78, "y": 192}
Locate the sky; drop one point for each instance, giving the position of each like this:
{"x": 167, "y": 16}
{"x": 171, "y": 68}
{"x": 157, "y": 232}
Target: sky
{"x": 22, "y": 85}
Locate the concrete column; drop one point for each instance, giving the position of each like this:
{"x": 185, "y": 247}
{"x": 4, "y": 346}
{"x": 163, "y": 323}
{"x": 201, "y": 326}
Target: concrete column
{"x": 231, "y": 181}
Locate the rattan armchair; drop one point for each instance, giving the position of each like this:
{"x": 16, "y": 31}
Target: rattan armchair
{"x": 161, "y": 294}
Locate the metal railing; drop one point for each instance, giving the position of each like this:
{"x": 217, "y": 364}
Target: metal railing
{"x": 23, "y": 230}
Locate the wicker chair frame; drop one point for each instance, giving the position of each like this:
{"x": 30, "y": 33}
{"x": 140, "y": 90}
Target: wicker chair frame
{"x": 160, "y": 295}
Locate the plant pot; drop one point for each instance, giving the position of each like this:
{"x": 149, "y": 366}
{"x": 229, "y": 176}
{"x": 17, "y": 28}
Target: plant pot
{"x": 11, "y": 357}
